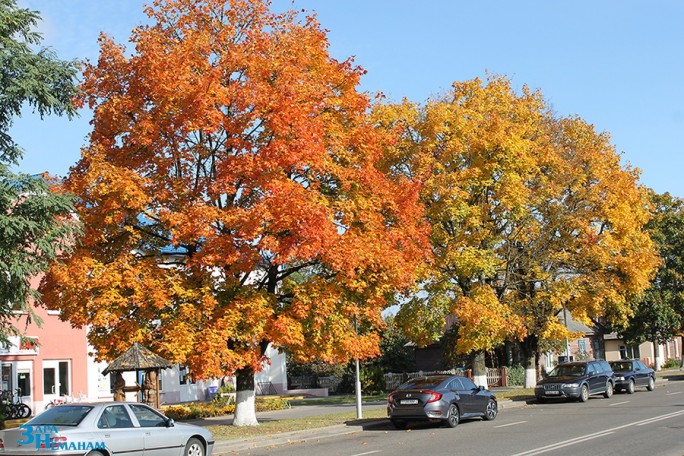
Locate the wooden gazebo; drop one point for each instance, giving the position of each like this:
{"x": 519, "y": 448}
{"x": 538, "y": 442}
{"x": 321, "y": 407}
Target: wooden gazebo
{"x": 138, "y": 358}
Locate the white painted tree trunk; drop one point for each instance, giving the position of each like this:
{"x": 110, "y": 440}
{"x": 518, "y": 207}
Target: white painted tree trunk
{"x": 480, "y": 380}
{"x": 245, "y": 408}
{"x": 530, "y": 377}
{"x": 245, "y": 398}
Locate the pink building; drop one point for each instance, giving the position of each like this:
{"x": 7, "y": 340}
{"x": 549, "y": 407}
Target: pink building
{"x": 54, "y": 366}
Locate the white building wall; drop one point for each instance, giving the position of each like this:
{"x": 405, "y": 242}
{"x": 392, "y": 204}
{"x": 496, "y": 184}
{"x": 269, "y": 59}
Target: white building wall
{"x": 274, "y": 373}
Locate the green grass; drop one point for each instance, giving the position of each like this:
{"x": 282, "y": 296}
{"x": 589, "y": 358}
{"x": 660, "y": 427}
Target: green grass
{"x": 517, "y": 394}
{"x": 334, "y": 400}
{"x": 267, "y": 428}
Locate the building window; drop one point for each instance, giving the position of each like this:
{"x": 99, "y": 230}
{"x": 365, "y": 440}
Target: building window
{"x": 24, "y": 383}
{"x": 582, "y": 346}
{"x": 184, "y": 376}
{"x": 629, "y": 352}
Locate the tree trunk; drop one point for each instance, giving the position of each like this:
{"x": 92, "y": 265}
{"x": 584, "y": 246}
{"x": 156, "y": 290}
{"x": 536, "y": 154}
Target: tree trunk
{"x": 245, "y": 409}
{"x": 656, "y": 360}
{"x": 529, "y": 349}
{"x": 479, "y": 369}
{"x": 681, "y": 352}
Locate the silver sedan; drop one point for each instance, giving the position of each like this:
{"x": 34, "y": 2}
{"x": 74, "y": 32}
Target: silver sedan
{"x": 105, "y": 429}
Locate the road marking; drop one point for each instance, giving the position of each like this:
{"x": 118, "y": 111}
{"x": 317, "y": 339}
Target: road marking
{"x": 619, "y": 403}
{"x": 510, "y": 424}
{"x": 584, "y": 438}
{"x": 367, "y": 452}
{"x": 672, "y": 394}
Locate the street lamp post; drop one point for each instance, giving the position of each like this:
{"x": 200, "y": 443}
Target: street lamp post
{"x": 359, "y": 409}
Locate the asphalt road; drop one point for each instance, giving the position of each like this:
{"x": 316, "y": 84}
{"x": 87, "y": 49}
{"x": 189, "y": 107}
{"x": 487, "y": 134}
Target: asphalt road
{"x": 644, "y": 423}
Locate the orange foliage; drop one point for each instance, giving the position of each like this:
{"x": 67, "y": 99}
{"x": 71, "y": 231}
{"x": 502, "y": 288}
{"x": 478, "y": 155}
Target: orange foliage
{"x": 232, "y": 195}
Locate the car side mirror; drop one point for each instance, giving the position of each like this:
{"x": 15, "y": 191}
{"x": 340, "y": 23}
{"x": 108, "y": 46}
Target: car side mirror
{"x": 481, "y": 388}
{"x": 170, "y": 423}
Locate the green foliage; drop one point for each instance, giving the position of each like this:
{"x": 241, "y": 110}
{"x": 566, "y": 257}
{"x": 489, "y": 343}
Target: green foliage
{"x": 29, "y": 76}
{"x": 224, "y": 397}
{"x": 3, "y": 414}
{"x": 372, "y": 380}
{"x": 516, "y": 375}
{"x": 35, "y": 223}
{"x": 659, "y": 315}
{"x": 313, "y": 368}
{"x": 671, "y": 363}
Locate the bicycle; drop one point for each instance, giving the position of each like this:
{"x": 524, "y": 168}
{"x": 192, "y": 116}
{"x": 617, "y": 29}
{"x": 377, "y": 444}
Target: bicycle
{"x": 14, "y": 406}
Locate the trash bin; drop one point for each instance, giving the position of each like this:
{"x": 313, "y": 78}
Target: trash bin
{"x": 212, "y": 391}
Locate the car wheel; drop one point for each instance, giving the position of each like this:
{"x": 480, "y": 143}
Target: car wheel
{"x": 651, "y": 384}
{"x": 609, "y": 390}
{"x": 398, "y": 424}
{"x": 95, "y": 453}
{"x": 492, "y": 410}
{"x": 584, "y": 394}
{"x": 630, "y": 387}
{"x": 194, "y": 447}
{"x": 453, "y": 416}
{"x": 541, "y": 400}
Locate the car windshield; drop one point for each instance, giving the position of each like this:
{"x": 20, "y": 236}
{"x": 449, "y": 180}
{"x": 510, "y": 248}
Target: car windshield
{"x": 621, "y": 366}
{"x": 62, "y": 415}
{"x": 569, "y": 370}
{"x": 423, "y": 382}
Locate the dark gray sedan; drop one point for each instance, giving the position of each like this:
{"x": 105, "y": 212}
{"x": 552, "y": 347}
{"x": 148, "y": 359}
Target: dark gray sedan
{"x": 440, "y": 398}
{"x": 104, "y": 429}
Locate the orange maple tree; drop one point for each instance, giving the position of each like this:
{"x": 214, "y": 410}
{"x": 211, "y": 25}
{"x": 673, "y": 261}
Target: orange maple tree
{"x": 231, "y": 197}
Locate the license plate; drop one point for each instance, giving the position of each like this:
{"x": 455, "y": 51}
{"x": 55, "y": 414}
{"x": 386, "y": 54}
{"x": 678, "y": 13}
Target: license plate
{"x": 552, "y": 393}
{"x": 408, "y": 401}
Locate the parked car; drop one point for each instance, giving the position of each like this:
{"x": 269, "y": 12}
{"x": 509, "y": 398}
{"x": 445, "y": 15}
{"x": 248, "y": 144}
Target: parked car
{"x": 440, "y": 398}
{"x": 632, "y": 373}
{"x": 576, "y": 380}
{"x": 105, "y": 428}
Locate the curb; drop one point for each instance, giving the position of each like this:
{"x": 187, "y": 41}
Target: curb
{"x": 222, "y": 447}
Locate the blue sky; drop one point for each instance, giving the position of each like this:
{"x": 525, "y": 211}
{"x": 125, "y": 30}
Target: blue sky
{"x": 617, "y": 64}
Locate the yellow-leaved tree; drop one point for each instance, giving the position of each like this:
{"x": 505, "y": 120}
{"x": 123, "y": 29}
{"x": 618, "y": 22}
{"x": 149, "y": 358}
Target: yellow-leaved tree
{"x": 530, "y": 214}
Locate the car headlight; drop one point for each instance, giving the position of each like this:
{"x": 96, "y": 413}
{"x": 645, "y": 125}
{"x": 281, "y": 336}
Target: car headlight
{"x": 619, "y": 378}
{"x": 570, "y": 385}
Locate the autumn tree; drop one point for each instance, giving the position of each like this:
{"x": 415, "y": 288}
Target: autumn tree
{"x": 35, "y": 222}
{"x": 531, "y": 214}
{"x": 232, "y": 199}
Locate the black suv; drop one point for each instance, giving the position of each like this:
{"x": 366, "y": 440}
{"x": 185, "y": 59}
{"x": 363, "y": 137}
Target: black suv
{"x": 577, "y": 380}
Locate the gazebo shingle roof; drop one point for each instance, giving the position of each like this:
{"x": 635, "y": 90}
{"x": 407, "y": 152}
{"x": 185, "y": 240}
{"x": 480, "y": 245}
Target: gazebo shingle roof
{"x": 138, "y": 357}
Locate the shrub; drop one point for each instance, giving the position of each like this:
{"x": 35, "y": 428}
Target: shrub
{"x": 271, "y": 403}
{"x": 194, "y": 410}
{"x": 516, "y": 375}
{"x": 227, "y": 388}
{"x": 670, "y": 363}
